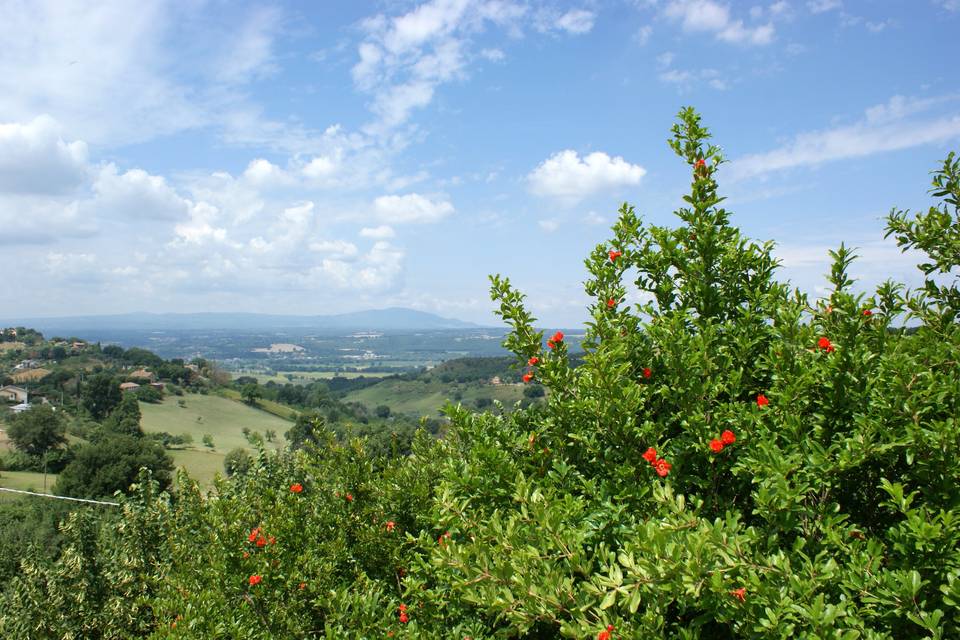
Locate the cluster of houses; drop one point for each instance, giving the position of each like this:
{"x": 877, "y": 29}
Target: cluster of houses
{"x": 148, "y": 377}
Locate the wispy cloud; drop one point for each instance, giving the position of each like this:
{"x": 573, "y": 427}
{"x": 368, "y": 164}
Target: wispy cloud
{"x": 885, "y": 127}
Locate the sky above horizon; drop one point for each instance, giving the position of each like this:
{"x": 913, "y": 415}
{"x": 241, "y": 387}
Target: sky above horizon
{"x": 318, "y": 158}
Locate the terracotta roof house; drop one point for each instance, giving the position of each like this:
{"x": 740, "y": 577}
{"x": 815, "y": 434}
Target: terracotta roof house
{"x": 10, "y": 393}
{"x": 129, "y": 386}
{"x": 142, "y": 374}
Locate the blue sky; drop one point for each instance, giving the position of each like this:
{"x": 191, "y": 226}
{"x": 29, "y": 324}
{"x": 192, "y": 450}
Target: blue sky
{"x": 336, "y": 156}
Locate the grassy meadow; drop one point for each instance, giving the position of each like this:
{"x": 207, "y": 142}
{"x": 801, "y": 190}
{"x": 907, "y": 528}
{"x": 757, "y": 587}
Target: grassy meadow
{"x": 223, "y": 418}
{"x": 25, "y": 481}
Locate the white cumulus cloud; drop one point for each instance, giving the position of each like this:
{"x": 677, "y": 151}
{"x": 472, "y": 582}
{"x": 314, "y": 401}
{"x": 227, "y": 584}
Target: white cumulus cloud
{"x": 568, "y": 178}
{"x": 712, "y": 17}
{"x": 34, "y": 158}
{"x": 411, "y": 207}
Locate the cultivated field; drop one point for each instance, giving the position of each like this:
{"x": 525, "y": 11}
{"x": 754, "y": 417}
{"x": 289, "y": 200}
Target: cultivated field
{"x": 419, "y": 399}
{"x": 304, "y": 377}
{"x": 30, "y": 375}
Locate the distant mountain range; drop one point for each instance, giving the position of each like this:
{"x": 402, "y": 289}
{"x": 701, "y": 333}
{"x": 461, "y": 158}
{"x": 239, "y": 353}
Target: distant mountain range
{"x": 393, "y": 319}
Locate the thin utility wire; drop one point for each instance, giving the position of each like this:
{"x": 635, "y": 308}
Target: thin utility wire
{"x": 47, "y": 495}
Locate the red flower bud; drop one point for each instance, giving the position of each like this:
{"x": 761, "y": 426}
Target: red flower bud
{"x": 762, "y": 400}
{"x": 650, "y": 455}
{"x": 390, "y": 525}
{"x": 867, "y": 313}
{"x": 727, "y": 437}
{"x": 716, "y": 445}
{"x": 740, "y": 594}
{"x": 647, "y": 372}
{"x": 614, "y": 254}
{"x": 255, "y": 580}
{"x": 296, "y": 488}
{"x": 825, "y": 344}
{"x": 533, "y": 361}
{"x": 527, "y": 377}
{"x": 611, "y": 303}
{"x": 700, "y": 163}
{"x": 349, "y": 497}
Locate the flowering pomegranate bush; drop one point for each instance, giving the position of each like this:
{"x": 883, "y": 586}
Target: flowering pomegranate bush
{"x": 730, "y": 460}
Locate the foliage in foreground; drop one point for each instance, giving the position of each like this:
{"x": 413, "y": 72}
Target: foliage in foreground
{"x": 730, "y": 460}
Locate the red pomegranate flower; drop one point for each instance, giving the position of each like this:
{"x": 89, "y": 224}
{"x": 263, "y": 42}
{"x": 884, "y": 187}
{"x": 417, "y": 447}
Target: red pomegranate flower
{"x": 272, "y": 540}
{"x": 650, "y": 455}
{"x": 867, "y": 313}
{"x": 550, "y": 344}
{"x": 824, "y": 343}
{"x": 349, "y": 497}
{"x": 261, "y": 541}
{"x": 727, "y": 437}
{"x": 762, "y": 400}
{"x": 700, "y": 163}
{"x": 404, "y": 618}
{"x": 740, "y": 594}
{"x": 605, "y": 634}
{"x": 611, "y": 303}
{"x": 253, "y": 534}
{"x": 391, "y": 525}
{"x": 302, "y": 586}
{"x": 647, "y": 372}
{"x": 557, "y": 337}
{"x": 533, "y": 361}
{"x": 716, "y": 445}
{"x": 662, "y": 467}
{"x": 614, "y": 254}
{"x": 255, "y": 580}
{"x": 527, "y": 377}
{"x": 296, "y": 488}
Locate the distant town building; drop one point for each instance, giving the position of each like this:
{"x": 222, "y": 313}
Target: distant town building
{"x": 142, "y": 374}
{"x": 129, "y": 386}
{"x": 12, "y": 393}
{"x": 20, "y": 408}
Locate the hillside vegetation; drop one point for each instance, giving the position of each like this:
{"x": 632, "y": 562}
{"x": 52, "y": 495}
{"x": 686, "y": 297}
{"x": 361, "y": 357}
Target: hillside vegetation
{"x": 729, "y": 460}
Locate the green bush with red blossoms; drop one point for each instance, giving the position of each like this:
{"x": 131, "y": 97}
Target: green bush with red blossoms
{"x": 730, "y": 460}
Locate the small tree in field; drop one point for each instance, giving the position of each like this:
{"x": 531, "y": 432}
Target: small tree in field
{"x": 251, "y": 393}
{"x": 37, "y": 430}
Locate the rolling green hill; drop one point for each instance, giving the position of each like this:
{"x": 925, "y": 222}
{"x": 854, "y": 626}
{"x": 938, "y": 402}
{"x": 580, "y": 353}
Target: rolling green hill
{"x": 222, "y": 418}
